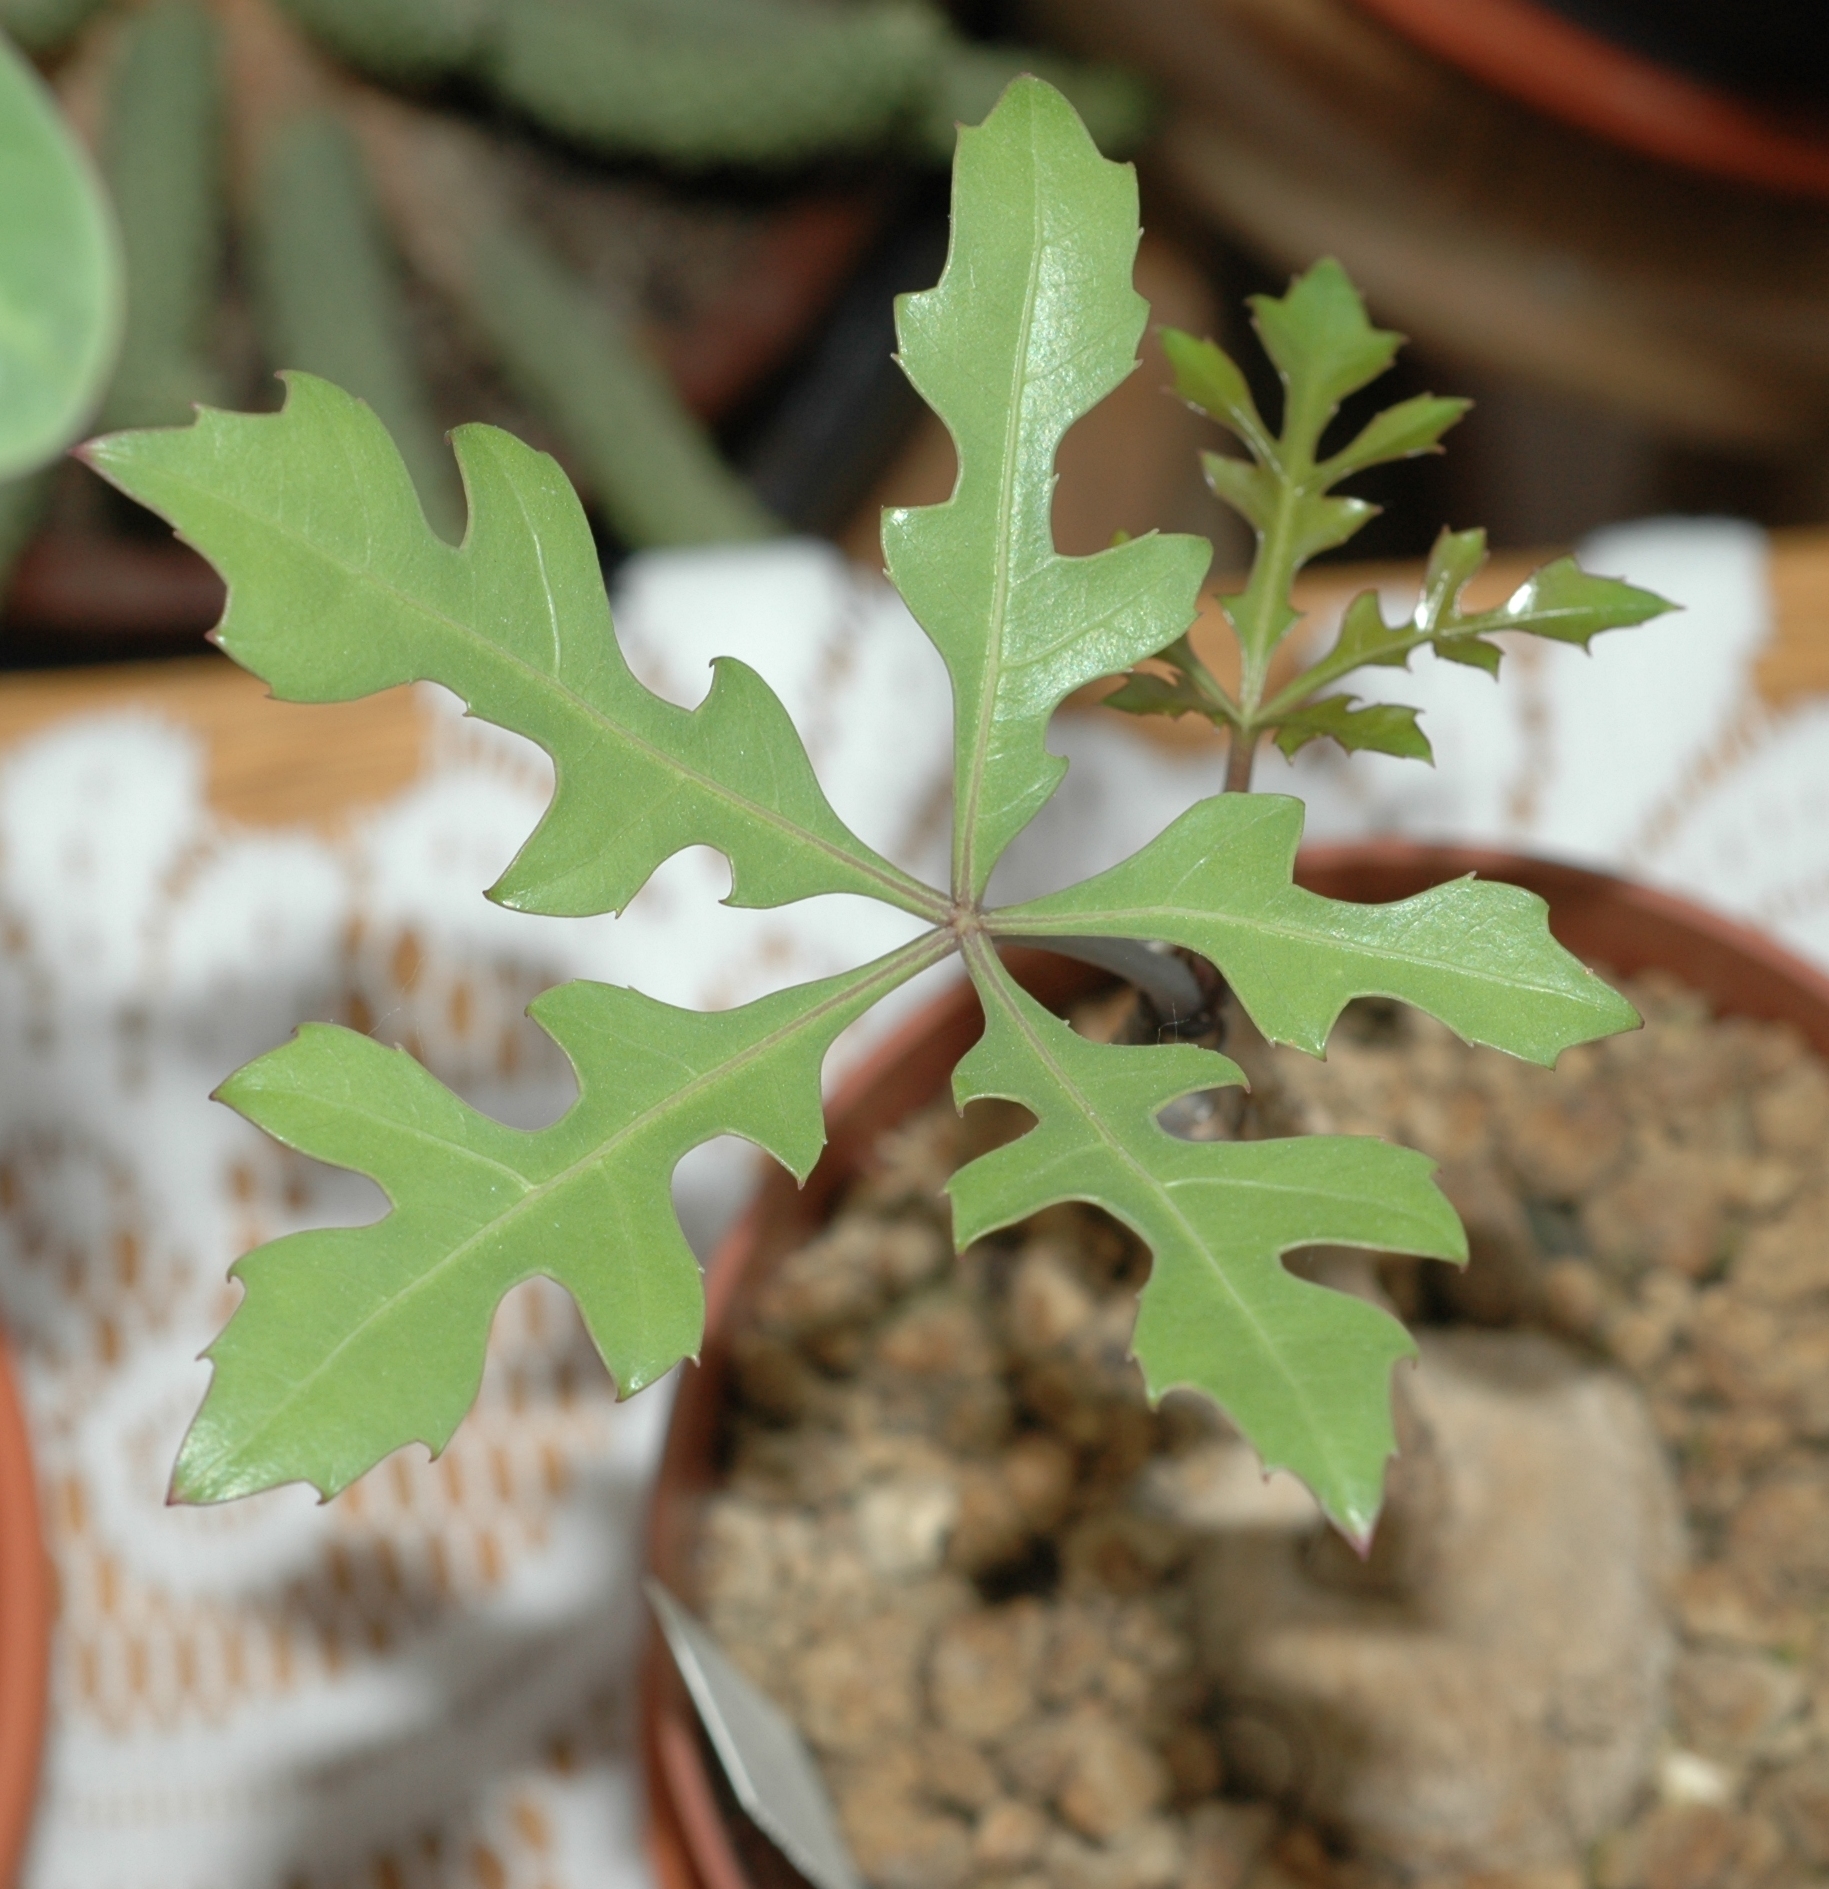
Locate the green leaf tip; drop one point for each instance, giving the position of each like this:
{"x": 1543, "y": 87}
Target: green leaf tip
{"x": 1322, "y": 346}
{"x": 1034, "y": 320}
{"x": 1304, "y": 1371}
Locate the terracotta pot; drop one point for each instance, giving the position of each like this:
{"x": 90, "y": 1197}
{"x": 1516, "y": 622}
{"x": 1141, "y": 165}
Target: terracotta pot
{"x": 698, "y": 1838}
{"x": 25, "y": 1627}
{"x": 1562, "y": 68}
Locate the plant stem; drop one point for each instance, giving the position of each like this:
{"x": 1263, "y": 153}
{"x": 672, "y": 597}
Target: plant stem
{"x": 1239, "y": 756}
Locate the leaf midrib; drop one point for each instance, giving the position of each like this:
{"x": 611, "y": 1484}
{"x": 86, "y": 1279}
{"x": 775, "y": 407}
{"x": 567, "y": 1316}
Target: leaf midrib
{"x": 965, "y": 876}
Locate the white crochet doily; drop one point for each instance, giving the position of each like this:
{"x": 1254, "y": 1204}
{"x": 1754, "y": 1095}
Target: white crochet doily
{"x": 428, "y": 1681}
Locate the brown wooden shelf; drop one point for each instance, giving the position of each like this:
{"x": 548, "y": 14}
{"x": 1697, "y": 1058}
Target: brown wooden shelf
{"x": 282, "y": 763}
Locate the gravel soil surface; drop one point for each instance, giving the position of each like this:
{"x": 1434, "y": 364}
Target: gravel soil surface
{"x": 953, "y": 1542}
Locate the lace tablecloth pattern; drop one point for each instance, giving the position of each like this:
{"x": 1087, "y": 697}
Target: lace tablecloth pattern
{"x": 428, "y": 1681}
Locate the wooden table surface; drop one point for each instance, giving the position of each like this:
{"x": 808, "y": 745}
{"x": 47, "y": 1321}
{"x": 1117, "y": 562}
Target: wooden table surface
{"x": 282, "y": 764}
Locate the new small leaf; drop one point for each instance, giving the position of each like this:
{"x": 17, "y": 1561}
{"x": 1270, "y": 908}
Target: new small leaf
{"x": 1561, "y": 601}
{"x": 1322, "y": 346}
{"x": 1400, "y": 432}
{"x": 1208, "y": 379}
{"x": 1381, "y": 727}
{"x": 1365, "y": 640}
{"x": 1145, "y": 693}
{"x": 1566, "y": 603}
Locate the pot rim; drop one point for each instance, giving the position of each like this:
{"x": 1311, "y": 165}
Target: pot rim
{"x": 1628, "y": 926}
{"x": 25, "y": 1627}
{"x": 1603, "y": 87}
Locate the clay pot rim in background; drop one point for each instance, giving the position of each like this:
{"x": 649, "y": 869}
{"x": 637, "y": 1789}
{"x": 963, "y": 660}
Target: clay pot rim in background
{"x": 1628, "y": 928}
{"x": 1539, "y": 57}
{"x": 25, "y": 1628}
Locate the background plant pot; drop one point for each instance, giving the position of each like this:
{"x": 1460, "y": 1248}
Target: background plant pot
{"x": 25, "y": 1626}
{"x": 699, "y": 1840}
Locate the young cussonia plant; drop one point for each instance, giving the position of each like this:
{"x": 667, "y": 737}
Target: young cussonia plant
{"x": 1323, "y": 348}
{"x": 352, "y": 1342}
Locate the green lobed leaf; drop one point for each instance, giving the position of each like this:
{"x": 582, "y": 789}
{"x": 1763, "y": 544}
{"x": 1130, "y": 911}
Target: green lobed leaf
{"x": 60, "y": 275}
{"x": 1474, "y": 652}
{"x": 1380, "y": 727}
{"x": 1033, "y": 321}
{"x": 1318, "y": 524}
{"x": 1322, "y": 345}
{"x": 1565, "y": 602}
{"x": 1146, "y": 694}
{"x": 1302, "y": 1370}
{"x": 1209, "y": 380}
{"x": 338, "y": 587}
{"x": 353, "y": 1341}
{"x": 1365, "y": 642}
{"x": 1454, "y": 561}
{"x": 1250, "y": 489}
{"x": 1323, "y": 348}
{"x": 1561, "y": 601}
{"x": 1401, "y": 432}
{"x": 1476, "y": 954}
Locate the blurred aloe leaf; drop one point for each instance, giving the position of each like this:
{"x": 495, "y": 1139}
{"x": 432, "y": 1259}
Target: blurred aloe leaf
{"x": 60, "y": 275}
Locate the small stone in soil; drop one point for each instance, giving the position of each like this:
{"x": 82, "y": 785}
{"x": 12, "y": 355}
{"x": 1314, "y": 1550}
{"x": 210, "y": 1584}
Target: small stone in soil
{"x": 981, "y": 1676}
{"x": 896, "y": 1840}
{"x": 1225, "y": 1842}
{"x": 1725, "y": 1703}
{"x": 1010, "y": 1836}
{"x": 1111, "y": 1779}
{"x": 1799, "y": 1801}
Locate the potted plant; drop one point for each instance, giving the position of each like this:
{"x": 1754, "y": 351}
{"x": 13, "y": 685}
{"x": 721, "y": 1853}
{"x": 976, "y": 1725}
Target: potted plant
{"x": 59, "y": 323}
{"x": 351, "y": 1342}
